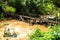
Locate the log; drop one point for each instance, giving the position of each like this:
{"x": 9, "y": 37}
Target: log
{"x": 42, "y": 18}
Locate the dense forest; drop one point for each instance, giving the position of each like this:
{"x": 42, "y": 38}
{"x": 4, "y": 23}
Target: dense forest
{"x": 29, "y": 7}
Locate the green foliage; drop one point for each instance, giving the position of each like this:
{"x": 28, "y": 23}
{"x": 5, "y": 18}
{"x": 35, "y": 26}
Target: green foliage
{"x": 10, "y": 9}
{"x": 57, "y": 12}
{"x": 48, "y": 8}
{"x": 30, "y": 7}
{"x": 41, "y": 6}
{"x": 57, "y": 31}
{"x": 34, "y": 6}
{"x": 36, "y": 34}
{"x": 52, "y": 34}
{"x": 58, "y": 15}
{"x": 23, "y": 2}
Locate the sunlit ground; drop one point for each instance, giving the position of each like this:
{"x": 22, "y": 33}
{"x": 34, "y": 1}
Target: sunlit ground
{"x": 21, "y": 28}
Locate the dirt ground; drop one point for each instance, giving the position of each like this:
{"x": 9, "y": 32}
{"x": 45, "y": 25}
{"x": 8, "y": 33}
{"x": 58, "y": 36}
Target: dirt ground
{"x": 21, "y": 28}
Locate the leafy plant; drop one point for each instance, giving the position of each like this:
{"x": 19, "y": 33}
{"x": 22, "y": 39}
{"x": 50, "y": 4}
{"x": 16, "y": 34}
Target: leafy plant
{"x": 52, "y": 34}
{"x": 36, "y": 34}
{"x": 10, "y": 9}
